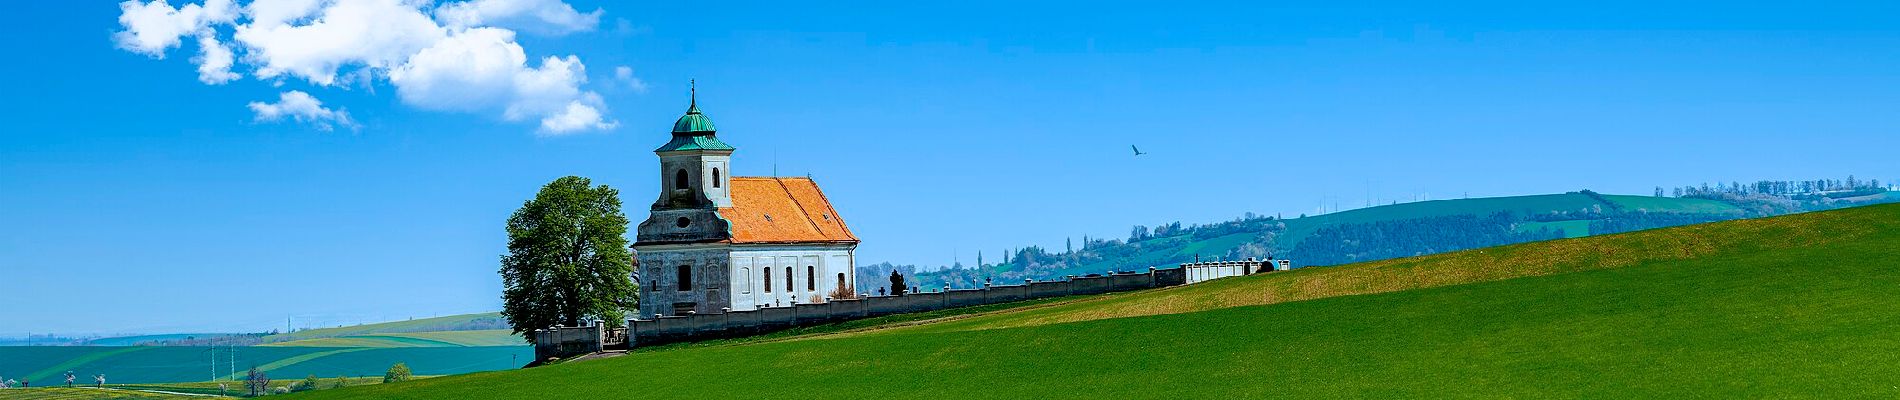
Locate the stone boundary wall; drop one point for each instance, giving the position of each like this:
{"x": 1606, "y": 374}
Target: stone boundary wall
{"x": 565, "y": 341}
{"x": 562, "y": 342}
{"x": 674, "y": 329}
{"x": 1198, "y": 272}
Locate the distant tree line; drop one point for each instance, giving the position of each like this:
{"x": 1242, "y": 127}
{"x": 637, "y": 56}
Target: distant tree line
{"x": 1811, "y": 188}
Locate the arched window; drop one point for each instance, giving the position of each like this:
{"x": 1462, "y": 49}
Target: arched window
{"x": 680, "y": 181}
{"x": 768, "y": 279}
{"x": 841, "y": 280}
{"x": 788, "y": 279}
{"x": 686, "y": 278}
{"x": 715, "y": 178}
{"x": 811, "y": 278}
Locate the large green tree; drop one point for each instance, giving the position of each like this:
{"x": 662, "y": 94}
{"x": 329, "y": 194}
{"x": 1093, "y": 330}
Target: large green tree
{"x": 567, "y": 259}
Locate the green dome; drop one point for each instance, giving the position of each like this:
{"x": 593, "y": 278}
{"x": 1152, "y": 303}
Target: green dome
{"x": 693, "y": 121}
{"x": 693, "y": 131}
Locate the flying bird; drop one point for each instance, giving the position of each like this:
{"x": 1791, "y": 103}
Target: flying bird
{"x": 1137, "y": 150}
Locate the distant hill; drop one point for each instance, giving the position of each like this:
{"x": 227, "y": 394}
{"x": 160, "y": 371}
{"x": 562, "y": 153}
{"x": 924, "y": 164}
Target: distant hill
{"x": 487, "y": 337}
{"x": 1299, "y": 229}
{"x": 175, "y": 339}
{"x": 1792, "y": 306}
{"x": 465, "y": 322}
{"x": 1394, "y": 230}
{"x": 1365, "y": 234}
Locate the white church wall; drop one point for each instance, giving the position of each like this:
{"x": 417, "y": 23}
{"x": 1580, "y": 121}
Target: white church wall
{"x": 814, "y": 270}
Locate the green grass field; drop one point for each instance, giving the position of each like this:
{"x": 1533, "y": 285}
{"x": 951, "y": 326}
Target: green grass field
{"x": 1674, "y": 205}
{"x": 236, "y": 388}
{"x": 85, "y": 394}
{"x": 1795, "y": 306}
{"x": 152, "y": 364}
{"x": 170, "y": 391}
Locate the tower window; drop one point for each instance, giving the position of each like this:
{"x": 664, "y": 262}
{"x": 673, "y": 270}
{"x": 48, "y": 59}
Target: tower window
{"x": 686, "y": 278}
{"x": 715, "y": 181}
{"x": 680, "y": 181}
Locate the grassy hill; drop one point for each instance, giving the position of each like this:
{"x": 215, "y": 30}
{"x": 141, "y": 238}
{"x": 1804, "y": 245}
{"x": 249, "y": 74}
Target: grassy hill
{"x": 1793, "y": 306}
{"x": 488, "y": 337}
{"x": 1299, "y": 228}
{"x": 482, "y": 321}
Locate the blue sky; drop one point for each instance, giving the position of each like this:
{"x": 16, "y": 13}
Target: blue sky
{"x": 143, "y": 199}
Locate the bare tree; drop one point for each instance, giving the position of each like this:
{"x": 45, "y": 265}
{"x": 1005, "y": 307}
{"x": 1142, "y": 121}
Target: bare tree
{"x": 256, "y": 382}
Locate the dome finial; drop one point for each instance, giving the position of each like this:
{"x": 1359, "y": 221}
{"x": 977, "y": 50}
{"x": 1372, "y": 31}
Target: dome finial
{"x": 693, "y": 88}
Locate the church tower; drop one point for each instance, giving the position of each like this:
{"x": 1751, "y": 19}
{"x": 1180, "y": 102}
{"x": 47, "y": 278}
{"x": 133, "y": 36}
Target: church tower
{"x": 716, "y": 243}
{"x": 695, "y": 181}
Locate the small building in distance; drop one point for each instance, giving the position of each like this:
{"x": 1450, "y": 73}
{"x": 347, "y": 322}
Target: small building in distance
{"x": 715, "y": 242}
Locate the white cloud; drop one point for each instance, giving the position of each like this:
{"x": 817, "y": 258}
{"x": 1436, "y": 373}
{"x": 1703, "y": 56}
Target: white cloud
{"x": 377, "y": 34}
{"x": 576, "y": 117}
{"x": 469, "y": 71}
{"x": 455, "y": 56}
{"x": 152, "y": 28}
{"x": 483, "y": 68}
{"x": 303, "y": 108}
{"x": 214, "y": 61}
{"x": 549, "y": 17}
{"x": 624, "y": 74}
{"x": 268, "y": 13}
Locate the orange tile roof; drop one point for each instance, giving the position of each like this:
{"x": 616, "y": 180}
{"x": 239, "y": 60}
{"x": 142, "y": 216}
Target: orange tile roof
{"x": 783, "y": 210}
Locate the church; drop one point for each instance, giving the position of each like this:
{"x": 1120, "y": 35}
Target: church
{"x": 716, "y": 242}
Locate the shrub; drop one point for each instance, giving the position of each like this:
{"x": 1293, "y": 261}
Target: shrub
{"x": 397, "y": 373}
{"x": 309, "y": 383}
{"x": 842, "y": 293}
